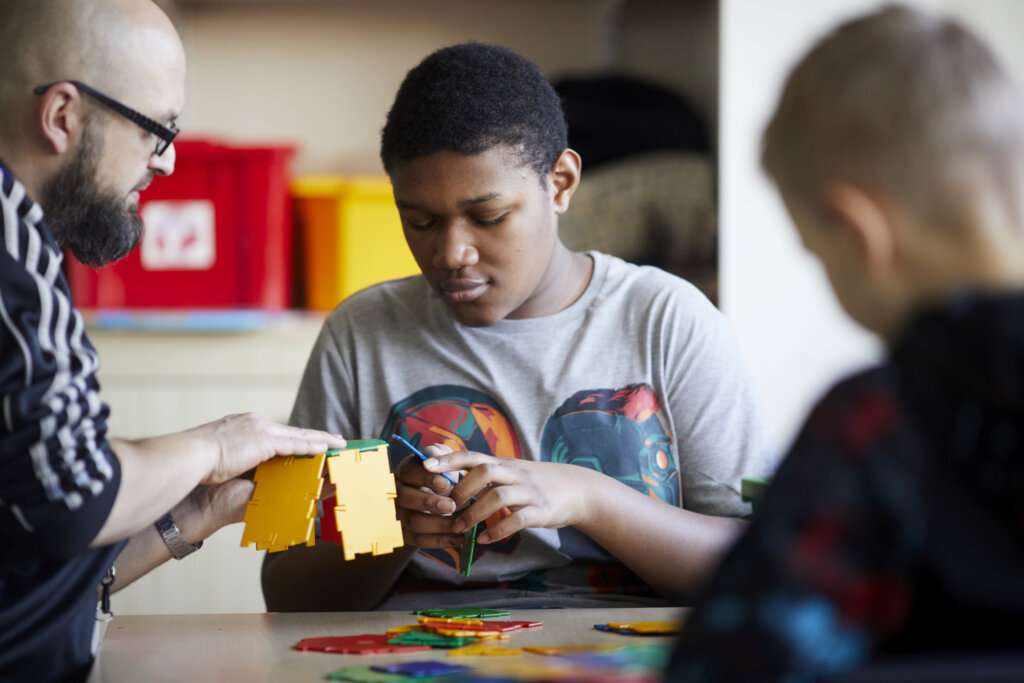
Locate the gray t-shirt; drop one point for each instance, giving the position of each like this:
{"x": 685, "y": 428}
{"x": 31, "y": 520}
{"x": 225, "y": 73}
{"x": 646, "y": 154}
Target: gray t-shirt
{"x": 640, "y": 378}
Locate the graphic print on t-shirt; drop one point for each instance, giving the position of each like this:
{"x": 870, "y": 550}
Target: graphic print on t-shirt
{"x": 463, "y": 419}
{"x": 621, "y": 433}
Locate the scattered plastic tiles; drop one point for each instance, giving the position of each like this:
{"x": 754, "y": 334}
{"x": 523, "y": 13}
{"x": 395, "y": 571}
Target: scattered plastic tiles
{"x": 463, "y": 613}
{"x": 430, "y": 639}
{"x": 484, "y": 650}
{"x": 642, "y": 628}
{"x": 364, "y": 674}
{"x": 366, "y": 644}
{"x": 422, "y": 669}
{"x": 476, "y": 625}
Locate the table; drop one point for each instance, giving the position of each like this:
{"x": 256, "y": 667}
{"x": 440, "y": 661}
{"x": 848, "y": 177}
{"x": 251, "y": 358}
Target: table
{"x": 258, "y": 647}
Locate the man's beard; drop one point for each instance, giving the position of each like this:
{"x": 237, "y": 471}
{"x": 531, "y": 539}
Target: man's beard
{"x": 97, "y": 226}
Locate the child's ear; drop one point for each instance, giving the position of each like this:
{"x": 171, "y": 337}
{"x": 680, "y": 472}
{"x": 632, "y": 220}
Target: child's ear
{"x": 565, "y": 178}
{"x": 865, "y": 220}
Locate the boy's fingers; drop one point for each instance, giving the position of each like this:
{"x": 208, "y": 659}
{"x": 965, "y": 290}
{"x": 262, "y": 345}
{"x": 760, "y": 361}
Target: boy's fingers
{"x": 490, "y": 502}
{"x": 432, "y": 540}
{"x": 415, "y": 498}
{"x": 411, "y": 473}
{"x": 437, "y": 449}
{"x": 492, "y": 475}
{"x": 420, "y": 523}
{"x": 517, "y": 521}
{"x": 458, "y": 460}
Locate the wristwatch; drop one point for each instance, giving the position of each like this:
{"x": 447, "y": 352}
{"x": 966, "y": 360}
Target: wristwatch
{"x": 172, "y": 537}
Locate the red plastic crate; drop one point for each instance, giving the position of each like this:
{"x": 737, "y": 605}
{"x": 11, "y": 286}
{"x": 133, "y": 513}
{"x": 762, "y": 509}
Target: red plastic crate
{"x": 218, "y": 235}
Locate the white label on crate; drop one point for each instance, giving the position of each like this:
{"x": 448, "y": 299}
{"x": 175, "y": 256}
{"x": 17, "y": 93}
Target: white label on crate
{"x": 179, "y": 235}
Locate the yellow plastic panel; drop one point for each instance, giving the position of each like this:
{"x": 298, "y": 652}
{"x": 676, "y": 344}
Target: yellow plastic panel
{"x": 283, "y": 505}
{"x": 366, "y": 501}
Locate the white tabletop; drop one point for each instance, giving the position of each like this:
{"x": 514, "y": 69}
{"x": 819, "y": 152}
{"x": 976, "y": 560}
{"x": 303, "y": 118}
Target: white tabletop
{"x": 258, "y": 647}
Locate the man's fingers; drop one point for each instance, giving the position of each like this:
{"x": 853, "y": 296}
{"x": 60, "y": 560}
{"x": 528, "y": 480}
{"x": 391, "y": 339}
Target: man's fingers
{"x": 301, "y": 441}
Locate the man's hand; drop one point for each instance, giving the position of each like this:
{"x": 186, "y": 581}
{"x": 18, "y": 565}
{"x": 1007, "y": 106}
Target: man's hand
{"x": 244, "y": 441}
{"x": 217, "y": 505}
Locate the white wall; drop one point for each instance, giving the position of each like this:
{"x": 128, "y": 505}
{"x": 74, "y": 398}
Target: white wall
{"x": 323, "y": 74}
{"x": 792, "y": 332}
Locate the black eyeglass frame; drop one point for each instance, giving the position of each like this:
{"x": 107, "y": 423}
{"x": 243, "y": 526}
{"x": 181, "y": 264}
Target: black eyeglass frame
{"x": 165, "y": 134}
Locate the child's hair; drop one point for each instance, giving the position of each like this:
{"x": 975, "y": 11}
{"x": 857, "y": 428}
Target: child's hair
{"x": 905, "y": 102}
{"x": 469, "y": 98}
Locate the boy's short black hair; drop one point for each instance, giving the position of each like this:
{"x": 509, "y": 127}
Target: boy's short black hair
{"x": 469, "y": 98}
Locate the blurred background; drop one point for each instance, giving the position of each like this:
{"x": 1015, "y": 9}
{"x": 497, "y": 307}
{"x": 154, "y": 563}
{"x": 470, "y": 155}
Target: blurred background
{"x": 279, "y": 207}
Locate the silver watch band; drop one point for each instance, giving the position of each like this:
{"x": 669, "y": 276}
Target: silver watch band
{"x": 171, "y": 534}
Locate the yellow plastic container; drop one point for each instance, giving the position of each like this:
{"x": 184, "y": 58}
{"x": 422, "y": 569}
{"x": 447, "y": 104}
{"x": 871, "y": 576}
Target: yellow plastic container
{"x": 352, "y": 236}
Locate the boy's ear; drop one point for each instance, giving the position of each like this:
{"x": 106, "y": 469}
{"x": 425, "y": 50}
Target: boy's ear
{"x": 865, "y": 220}
{"x": 565, "y": 177}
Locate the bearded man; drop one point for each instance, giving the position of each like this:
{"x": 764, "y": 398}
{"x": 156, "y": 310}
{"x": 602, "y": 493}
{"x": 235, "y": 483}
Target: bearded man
{"x": 90, "y": 93}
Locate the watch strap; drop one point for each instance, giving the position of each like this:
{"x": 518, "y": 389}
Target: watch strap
{"x": 171, "y": 534}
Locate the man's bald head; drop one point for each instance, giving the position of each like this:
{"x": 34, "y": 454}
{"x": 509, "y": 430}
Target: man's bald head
{"x": 82, "y": 161}
{"x": 117, "y": 46}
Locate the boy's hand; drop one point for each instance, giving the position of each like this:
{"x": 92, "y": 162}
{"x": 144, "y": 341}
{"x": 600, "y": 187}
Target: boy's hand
{"x": 538, "y": 494}
{"x": 424, "y": 503}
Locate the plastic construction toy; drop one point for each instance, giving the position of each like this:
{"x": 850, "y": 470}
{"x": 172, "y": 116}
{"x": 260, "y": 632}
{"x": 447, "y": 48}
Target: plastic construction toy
{"x": 428, "y": 667}
{"x": 367, "y": 644}
{"x": 361, "y": 517}
{"x": 365, "y": 512}
{"x": 364, "y": 674}
{"x": 283, "y": 506}
{"x": 483, "y": 649}
{"x": 642, "y": 628}
{"x": 752, "y": 489}
{"x": 476, "y": 625}
{"x": 556, "y": 650}
{"x": 479, "y": 635}
{"x": 462, "y": 613}
{"x": 430, "y": 639}
{"x": 468, "y": 548}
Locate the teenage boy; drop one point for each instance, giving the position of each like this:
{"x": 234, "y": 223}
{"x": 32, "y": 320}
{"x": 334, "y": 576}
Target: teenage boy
{"x": 601, "y": 409}
{"x": 896, "y": 523}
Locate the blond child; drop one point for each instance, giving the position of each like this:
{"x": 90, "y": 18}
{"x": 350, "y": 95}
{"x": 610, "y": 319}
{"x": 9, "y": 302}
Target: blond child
{"x": 895, "y": 525}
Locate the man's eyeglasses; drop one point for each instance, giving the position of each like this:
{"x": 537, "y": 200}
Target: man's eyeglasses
{"x": 165, "y": 134}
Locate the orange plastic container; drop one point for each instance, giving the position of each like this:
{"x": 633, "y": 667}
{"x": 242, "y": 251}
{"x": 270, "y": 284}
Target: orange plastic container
{"x": 351, "y": 234}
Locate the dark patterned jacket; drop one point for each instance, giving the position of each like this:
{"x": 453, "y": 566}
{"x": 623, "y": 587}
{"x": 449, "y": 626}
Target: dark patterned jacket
{"x": 896, "y": 523}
